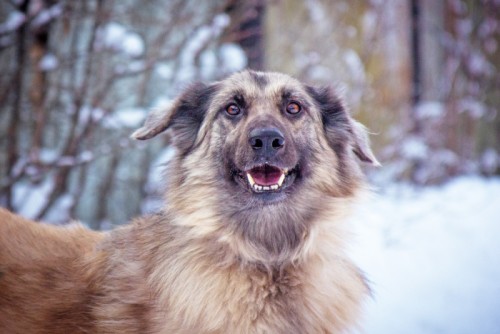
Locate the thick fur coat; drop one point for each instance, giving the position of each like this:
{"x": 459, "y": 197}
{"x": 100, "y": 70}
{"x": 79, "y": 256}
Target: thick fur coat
{"x": 251, "y": 238}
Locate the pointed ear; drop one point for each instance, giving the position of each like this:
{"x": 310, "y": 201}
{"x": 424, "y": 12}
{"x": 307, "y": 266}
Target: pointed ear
{"x": 340, "y": 128}
{"x": 361, "y": 146}
{"x": 183, "y": 117}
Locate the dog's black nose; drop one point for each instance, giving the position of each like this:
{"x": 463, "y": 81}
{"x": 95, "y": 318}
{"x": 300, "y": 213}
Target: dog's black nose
{"x": 267, "y": 140}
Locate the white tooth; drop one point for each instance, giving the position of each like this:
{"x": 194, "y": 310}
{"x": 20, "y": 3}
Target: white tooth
{"x": 250, "y": 179}
{"x": 274, "y": 187}
{"x": 259, "y": 188}
{"x": 266, "y": 188}
{"x": 280, "y": 181}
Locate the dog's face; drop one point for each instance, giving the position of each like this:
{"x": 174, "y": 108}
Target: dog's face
{"x": 268, "y": 128}
{"x": 270, "y": 148}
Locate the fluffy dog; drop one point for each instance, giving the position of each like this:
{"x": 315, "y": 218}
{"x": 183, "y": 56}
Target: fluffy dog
{"x": 250, "y": 239}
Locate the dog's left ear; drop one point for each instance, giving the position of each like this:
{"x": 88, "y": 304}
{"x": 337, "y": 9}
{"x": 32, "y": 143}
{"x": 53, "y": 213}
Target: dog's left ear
{"x": 361, "y": 145}
{"x": 183, "y": 117}
{"x": 339, "y": 125}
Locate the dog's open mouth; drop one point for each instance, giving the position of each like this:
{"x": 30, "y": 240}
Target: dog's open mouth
{"x": 268, "y": 178}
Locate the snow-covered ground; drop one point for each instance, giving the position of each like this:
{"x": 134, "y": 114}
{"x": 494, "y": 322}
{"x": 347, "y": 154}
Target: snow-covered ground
{"x": 433, "y": 257}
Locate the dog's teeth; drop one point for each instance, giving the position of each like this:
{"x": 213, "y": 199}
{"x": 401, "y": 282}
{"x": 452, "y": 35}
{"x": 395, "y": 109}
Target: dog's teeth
{"x": 274, "y": 187}
{"x": 266, "y": 188}
{"x": 250, "y": 179}
{"x": 280, "y": 181}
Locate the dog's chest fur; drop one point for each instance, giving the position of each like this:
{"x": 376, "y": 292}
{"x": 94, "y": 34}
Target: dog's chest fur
{"x": 218, "y": 294}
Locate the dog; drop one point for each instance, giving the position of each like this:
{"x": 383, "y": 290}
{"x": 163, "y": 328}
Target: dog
{"x": 251, "y": 238}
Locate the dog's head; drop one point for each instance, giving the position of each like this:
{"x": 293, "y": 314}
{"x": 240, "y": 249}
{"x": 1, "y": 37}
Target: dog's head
{"x": 269, "y": 152}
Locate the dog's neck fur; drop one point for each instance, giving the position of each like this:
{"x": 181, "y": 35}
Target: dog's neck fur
{"x": 183, "y": 273}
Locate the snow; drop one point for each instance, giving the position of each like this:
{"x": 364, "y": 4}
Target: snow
{"x": 49, "y": 62}
{"x": 165, "y": 71}
{"x": 30, "y": 198}
{"x": 473, "y": 107}
{"x": 133, "y": 45}
{"x": 233, "y": 57}
{"x": 221, "y": 21}
{"x": 87, "y": 114}
{"x": 117, "y": 37}
{"x": 490, "y": 161}
{"x": 14, "y": 21}
{"x": 355, "y": 65}
{"x": 430, "y": 109}
{"x": 199, "y": 41}
{"x": 414, "y": 148}
{"x": 47, "y": 15}
{"x": 432, "y": 256}
{"x": 127, "y": 117}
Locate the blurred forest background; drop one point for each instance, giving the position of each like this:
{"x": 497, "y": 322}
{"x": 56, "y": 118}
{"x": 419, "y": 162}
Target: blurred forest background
{"x": 78, "y": 76}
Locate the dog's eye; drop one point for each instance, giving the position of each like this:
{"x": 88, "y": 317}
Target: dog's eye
{"x": 293, "y": 108}
{"x": 233, "y": 109}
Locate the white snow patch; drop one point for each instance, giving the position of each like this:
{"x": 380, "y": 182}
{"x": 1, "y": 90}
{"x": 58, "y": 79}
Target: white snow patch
{"x": 355, "y": 65}
{"x": 14, "y": 21}
{"x": 315, "y": 10}
{"x": 201, "y": 39}
{"x": 48, "y": 155}
{"x": 208, "y": 64}
{"x": 60, "y": 213}
{"x": 162, "y": 103}
{"x": 47, "y": 15}
{"x": 48, "y": 62}
{"x": 369, "y": 22}
{"x": 430, "y": 109}
{"x": 490, "y": 161}
{"x": 133, "y": 45}
{"x": 414, "y": 148}
{"x": 117, "y": 37}
{"x": 473, "y": 107}
{"x": 432, "y": 256}
{"x": 166, "y": 71}
{"x": 86, "y": 156}
{"x": 233, "y": 57}
{"x": 128, "y": 117}
{"x": 221, "y": 21}
{"x": 30, "y": 198}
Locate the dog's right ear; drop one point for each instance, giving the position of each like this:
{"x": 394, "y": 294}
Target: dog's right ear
{"x": 183, "y": 117}
{"x": 339, "y": 126}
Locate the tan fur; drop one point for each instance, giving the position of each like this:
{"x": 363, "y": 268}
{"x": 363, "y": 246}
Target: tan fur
{"x": 188, "y": 269}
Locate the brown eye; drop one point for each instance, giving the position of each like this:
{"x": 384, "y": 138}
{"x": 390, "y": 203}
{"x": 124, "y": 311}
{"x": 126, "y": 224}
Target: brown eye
{"x": 233, "y": 109}
{"x": 293, "y": 108}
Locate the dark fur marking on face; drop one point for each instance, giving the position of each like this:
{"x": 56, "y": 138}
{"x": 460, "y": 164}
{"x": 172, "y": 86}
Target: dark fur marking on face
{"x": 260, "y": 79}
{"x": 339, "y": 127}
{"x": 333, "y": 112}
{"x": 334, "y": 116}
{"x": 183, "y": 118}
{"x": 189, "y": 115}
{"x": 240, "y": 100}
